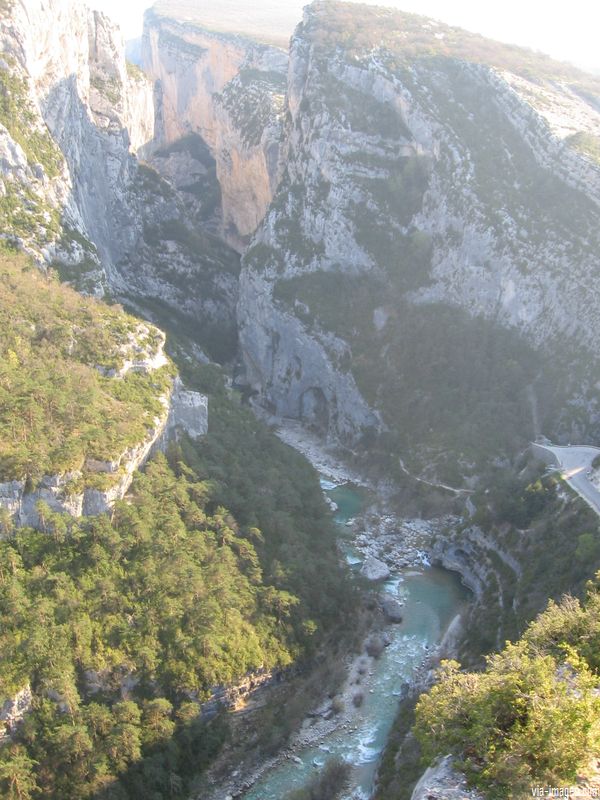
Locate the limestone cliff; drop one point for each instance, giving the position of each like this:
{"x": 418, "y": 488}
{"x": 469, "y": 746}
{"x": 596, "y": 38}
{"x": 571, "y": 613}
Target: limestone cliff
{"x": 91, "y": 202}
{"x": 68, "y": 66}
{"x": 229, "y": 91}
{"x": 97, "y": 485}
{"x": 13, "y": 711}
{"x": 425, "y": 170}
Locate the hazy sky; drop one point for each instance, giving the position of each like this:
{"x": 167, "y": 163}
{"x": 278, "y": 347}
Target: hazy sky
{"x": 568, "y": 31}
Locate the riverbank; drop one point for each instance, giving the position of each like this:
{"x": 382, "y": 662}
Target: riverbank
{"x": 326, "y": 460}
{"x": 313, "y": 690}
{"x": 378, "y": 531}
{"x": 354, "y": 723}
{"x": 398, "y": 542}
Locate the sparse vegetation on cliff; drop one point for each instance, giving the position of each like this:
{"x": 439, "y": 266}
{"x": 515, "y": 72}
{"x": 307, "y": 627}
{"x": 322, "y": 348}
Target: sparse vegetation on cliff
{"x": 586, "y": 143}
{"x": 407, "y": 37}
{"x": 441, "y": 378}
{"x": 253, "y": 100}
{"x": 525, "y": 516}
{"x": 24, "y": 214}
{"x": 22, "y": 123}
{"x": 136, "y": 73}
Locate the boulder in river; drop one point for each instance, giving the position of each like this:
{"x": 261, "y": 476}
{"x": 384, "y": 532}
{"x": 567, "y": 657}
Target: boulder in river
{"x": 375, "y": 570}
{"x": 391, "y": 608}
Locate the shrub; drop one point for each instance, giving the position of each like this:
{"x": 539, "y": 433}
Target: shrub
{"x": 326, "y": 786}
{"x": 338, "y": 706}
{"x": 532, "y": 716}
{"x": 375, "y": 646}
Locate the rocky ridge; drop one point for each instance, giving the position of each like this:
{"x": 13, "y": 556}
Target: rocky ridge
{"x": 77, "y": 492}
{"x": 442, "y": 782}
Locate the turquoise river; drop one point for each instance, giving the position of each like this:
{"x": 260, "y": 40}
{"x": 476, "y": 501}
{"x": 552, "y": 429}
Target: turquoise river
{"x": 432, "y": 598}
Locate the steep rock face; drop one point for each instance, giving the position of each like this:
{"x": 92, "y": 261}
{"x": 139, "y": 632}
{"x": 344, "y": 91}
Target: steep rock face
{"x": 73, "y": 64}
{"x": 478, "y": 557}
{"x": 249, "y": 113}
{"x": 139, "y": 115}
{"x": 295, "y": 374}
{"x": 37, "y": 212}
{"x": 417, "y": 175}
{"x": 192, "y": 67}
{"x": 106, "y": 208}
{"x": 229, "y": 91}
{"x": 189, "y": 166}
{"x": 188, "y": 413}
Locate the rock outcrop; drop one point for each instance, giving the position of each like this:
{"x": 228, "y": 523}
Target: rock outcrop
{"x": 188, "y": 414}
{"x": 184, "y": 412}
{"x": 13, "y": 711}
{"x": 488, "y": 569}
{"x": 375, "y": 570}
{"x": 84, "y": 98}
{"x": 443, "y": 782}
{"x": 95, "y": 487}
{"x": 392, "y": 609}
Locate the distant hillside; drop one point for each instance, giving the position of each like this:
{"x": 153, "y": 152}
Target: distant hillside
{"x": 356, "y": 27}
{"x": 273, "y": 22}
{"x": 270, "y": 22}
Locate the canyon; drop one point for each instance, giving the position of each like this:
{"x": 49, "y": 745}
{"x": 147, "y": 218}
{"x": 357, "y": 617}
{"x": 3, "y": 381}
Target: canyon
{"x": 357, "y": 227}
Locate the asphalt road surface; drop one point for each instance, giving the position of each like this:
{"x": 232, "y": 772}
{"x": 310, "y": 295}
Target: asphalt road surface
{"x": 575, "y": 465}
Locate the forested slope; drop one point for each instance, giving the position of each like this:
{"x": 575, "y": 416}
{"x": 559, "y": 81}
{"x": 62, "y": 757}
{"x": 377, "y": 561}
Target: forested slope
{"x": 158, "y": 605}
{"x": 76, "y": 376}
{"x": 219, "y": 563}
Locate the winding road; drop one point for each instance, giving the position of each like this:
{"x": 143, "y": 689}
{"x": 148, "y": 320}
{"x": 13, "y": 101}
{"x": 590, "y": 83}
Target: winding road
{"x": 575, "y": 464}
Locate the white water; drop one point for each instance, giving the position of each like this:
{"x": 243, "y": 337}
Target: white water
{"x": 431, "y": 598}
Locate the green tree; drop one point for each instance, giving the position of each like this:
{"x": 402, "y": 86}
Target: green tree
{"x": 17, "y": 773}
